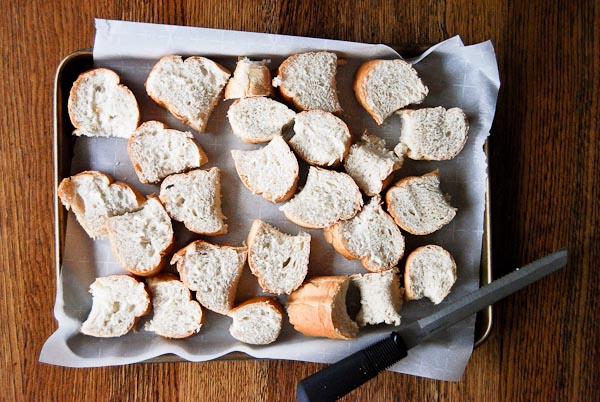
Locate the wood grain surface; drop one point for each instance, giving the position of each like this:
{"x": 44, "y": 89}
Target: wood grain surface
{"x": 544, "y": 174}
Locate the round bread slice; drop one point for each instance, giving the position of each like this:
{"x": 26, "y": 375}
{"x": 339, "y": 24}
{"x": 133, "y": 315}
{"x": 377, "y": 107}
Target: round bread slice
{"x": 327, "y": 197}
{"x": 257, "y": 321}
{"x": 259, "y": 119}
{"x": 371, "y": 236}
{"x": 434, "y": 134}
{"x": 99, "y": 106}
{"x": 430, "y": 271}
{"x": 417, "y": 204}
{"x": 278, "y": 260}
{"x": 94, "y": 197}
{"x": 117, "y": 303}
{"x": 384, "y": 86}
{"x": 189, "y": 88}
{"x": 194, "y": 198}
{"x": 320, "y": 138}
{"x": 380, "y": 297}
{"x": 141, "y": 240}
{"x": 175, "y": 314}
{"x": 250, "y": 78}
{"x": 157, "y": 151}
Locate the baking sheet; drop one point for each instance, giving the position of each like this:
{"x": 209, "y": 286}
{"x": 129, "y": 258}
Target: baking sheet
{"x": 457, "y": 75}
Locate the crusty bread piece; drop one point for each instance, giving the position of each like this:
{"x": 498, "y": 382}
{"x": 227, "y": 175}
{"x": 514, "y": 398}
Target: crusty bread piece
{"x": 384, "y": 86}
{"x": 271, "y": 171}
{"x": 371, "y": 165}
{"x": 327, "y": 197}
{"x": 117, "y": 302}
{"x": 417, "y": 204}
{"x": 141, "y": 240}
{"x": 430, "y": 271}
{"x": 308, "y": 81}
{"x": 371, "y": 236}
{"x": 101, "y": 107}
{"x": 257, "y": 321}
{"x": 212, "y": 271}
{"x": 434, "y": 134}
{"x": 250, "y": 78}
{"x": 189, "y": 88}
{"x": 175, "y": 314}
{"x": 94, "y": 197}
{"x": 278, "y": 260}
{"x": 194, "y": 198}
{"x": 318, "y": 308}
{"x": 157, "y": 151}
{"x": 380, "y": 297}
{"x": 320, "y": 138}
{"x": 259, "y": 119}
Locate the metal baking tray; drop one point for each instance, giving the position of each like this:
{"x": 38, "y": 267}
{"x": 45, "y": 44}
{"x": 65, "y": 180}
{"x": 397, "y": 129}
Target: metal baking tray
{"x": 77, "y": 62}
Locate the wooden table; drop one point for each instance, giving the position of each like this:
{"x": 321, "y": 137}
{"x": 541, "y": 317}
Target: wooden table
{"x": 545, "y": 345}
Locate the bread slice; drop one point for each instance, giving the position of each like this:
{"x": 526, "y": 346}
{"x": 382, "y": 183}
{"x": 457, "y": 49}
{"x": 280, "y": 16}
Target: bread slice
{"x": 320, "y": 138}
{"x": 141, "y": 240}
{"x": 380, "y": 297}
{"x": 271, "y": 171}
{"x": 308, "y": 81}
{"x": 157, "y": 151}
{"x": 188, "y": 89}
{"x": 194, "y": 198}
{"x": 327, "y": 197}
{"x": 318, "y": 308}
{"x": 371, "y": 165}
{"x": 175, "y": 314}
{"x": 250, "y": 78}
{"x": 434, "y": 134}
{"x": 212, "y": 271}
{"x": 117, "y": 303}
{"x": 384, "y": 86}
{"x": 94, "y": 197}
{"x": 430, "y": 271}
{"x": 257, "y": 321}
{"x": 259, "y": 119}
{"x": 371, "y": 236}
{"x": 278, "y": 260}
{"x": 417, "y": 204}
{"x": 99, "y": 106}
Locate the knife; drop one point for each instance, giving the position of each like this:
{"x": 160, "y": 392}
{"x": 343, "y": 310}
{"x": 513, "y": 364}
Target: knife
{"x": 344, "y": 376}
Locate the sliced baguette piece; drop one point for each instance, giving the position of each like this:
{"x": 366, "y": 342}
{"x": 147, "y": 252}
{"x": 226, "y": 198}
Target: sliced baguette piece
{"x": 430, "y": 271}
{"x": 371, "y": 236}
{"x": 194, "y": 198}
{"x": 434, "y": 134}
{"x": 141, "y": 240}
{"x": 99, "y": 106}
{"x": 189, "y": 88}
{"x": 418, "y": 205}
{"x": 271, "y": 171}
{"x": 278, "y": 260}
{"x": 308, "y": 81}
{"x": 175, "y": 314}
{"x": 327, "y": 197}
{"x": 250, "y": 78}
{"x": 117, "y": 303}
{"x": 320, "y": 138}
{"x": 94, "y": 197}
{"x": 380, "y": 297}
{"x": 318, "y": 308}
{"x": 384, "y": 86}
{"x": 259, "y": 119}
{"x": 157, "y": 151}
{"x": 257, "y": 321}
{"x": 371, "y": 165}
{"x": 212, "y": 271}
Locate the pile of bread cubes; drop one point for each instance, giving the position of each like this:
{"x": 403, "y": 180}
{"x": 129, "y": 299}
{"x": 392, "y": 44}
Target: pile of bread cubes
{"x": 341, "y": 173}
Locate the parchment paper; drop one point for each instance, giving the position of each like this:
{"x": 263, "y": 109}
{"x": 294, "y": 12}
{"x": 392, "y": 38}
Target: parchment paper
{"x": 457, "y": 75}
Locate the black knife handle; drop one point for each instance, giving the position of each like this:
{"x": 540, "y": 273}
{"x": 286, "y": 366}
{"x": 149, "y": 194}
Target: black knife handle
{"x": 340, "y": 378}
